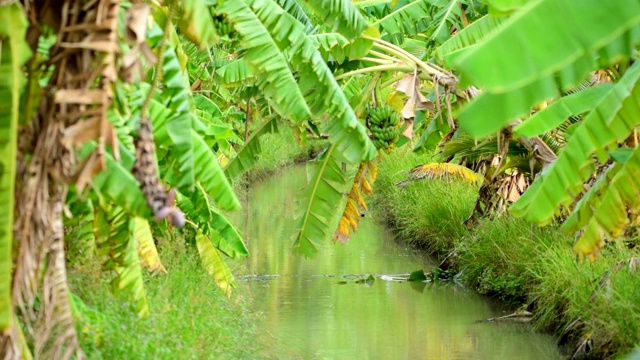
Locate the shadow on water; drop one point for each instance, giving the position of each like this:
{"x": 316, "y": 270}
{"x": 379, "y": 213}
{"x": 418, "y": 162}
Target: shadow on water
{"x": 323, "y": 308}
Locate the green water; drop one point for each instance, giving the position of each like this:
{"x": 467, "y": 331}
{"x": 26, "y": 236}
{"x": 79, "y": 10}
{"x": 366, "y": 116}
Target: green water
{"x": 313, "y": 316}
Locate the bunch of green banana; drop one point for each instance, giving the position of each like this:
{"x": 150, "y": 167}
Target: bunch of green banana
{"x": 384, "y": 124}
{"x": 223, "y": 26}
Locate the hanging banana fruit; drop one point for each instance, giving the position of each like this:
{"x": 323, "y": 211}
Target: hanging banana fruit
{"x": 384, "y": 124}
{"x": 223, "y": 26}
{"x": 159, "y": 200}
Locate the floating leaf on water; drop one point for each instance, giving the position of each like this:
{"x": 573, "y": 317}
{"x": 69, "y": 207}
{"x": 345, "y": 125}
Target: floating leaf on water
{"x": 417, "y": 275}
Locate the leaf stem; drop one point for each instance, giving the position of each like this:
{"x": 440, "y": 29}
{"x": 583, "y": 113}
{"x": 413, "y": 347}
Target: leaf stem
{"x": 157, "y": 74}
{"x": 429, "y": 68}
{"x": 381, "y": 55}
{"x": 392, "y": 80}
{"x": 386, "y": 67}
{"x": 377, "y": 61}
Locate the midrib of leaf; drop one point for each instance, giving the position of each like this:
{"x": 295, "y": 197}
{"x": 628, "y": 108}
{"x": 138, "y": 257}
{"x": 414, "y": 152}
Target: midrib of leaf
{"x": 444, "y": 18}
{"x": 307, "y": 213}
{"x": 392, "y": 14}
{"x": 235, "y": 166}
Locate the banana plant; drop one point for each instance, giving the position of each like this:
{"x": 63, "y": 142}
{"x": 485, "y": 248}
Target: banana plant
{"x": 511, "y": 90}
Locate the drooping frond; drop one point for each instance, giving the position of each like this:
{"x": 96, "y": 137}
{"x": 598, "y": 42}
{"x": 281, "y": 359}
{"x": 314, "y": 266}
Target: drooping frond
{"x": 341, "y": 14}
{"x": 211, "y": 176}
{"x": 210, "y": 220}
{"x": 264, "y": 57}
{"x": 15, "y": 52}
{"x": 604, "y": 211}
{"x": 116, "y": 242}
{"x": 146, "y": 247}
{"x": 323, "y": 98}
{"x": 181, "y": 147}
{"x": 236, "y": 72}
{"x": 356, "y": 204}
{"x": 409, "y": 19}
{"x": 568, "y": 48}
{"x": 445, "y": 171}
{"x": 471, "y": 35}
{"x": 118, "y": 185}
{"x": 466, "y": 147}
{"x": 176, "y": 90}
{"x": 323, "y": 200}
{"x": 553, "y": 115}
{"x": 293, "y": 8}
{"x": 248, "y": 154}
{"x": 611, "y": 121}
{"x": 172, "y": 134}
{"x": 340, "y": 48}
{"x": 214, "y": 264}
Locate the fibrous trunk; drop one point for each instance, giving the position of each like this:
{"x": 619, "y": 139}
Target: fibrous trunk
{"x": 73, "y": 110}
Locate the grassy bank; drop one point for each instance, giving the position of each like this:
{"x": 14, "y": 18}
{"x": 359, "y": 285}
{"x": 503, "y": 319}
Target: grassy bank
{"x": 588, "y": 305}
{"x": 190, "y": 317}
{"x": 281, "y": 150}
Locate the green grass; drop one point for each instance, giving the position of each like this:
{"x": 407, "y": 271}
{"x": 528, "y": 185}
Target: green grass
{"x": 428, "y": 213}
{"x": 281, "y": 150}
{"x": 190, "y": 318}
{"x": 512, "y": 260}
{"x": 497, "y": 258}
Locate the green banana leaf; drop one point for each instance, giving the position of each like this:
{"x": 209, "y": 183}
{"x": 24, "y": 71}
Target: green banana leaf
{"x": 15, "y": 52}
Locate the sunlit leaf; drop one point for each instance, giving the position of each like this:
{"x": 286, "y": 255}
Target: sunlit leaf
{"x": 547, "y": 47}
{"x": 445, "y": 171}
{"x": 553, "y": 115}
{"x": 146, "y": 246}
{"x": 322, "y": 205}
{"x": 214, "y": 264}
{"x": 612, "y": 120}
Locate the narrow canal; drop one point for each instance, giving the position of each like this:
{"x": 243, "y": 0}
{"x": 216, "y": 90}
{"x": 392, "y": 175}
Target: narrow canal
{"x": 319, "y": 309}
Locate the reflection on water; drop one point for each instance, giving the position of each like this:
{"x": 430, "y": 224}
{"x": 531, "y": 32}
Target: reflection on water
{"x": 310, "y": 309}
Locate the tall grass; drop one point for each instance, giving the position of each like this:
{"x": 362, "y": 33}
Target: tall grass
{"x": 190, "y": 318}
{"x": 428, "y": 213}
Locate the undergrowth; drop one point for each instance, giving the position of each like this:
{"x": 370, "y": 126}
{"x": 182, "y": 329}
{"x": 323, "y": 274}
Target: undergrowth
{"x": 190, "y": 317}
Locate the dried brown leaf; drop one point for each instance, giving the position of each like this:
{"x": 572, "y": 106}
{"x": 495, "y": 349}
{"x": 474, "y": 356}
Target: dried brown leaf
{"x": 410, "y": 85}
{"x": 90, "y": 166}
{"x": 366, "y": 175}
{"x": 80, "y": 96}
{"x": 136, "y": 20}
{"x": 82, "y": 131}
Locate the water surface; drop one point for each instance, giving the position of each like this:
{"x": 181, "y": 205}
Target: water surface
{"x": 315, "y": 315}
